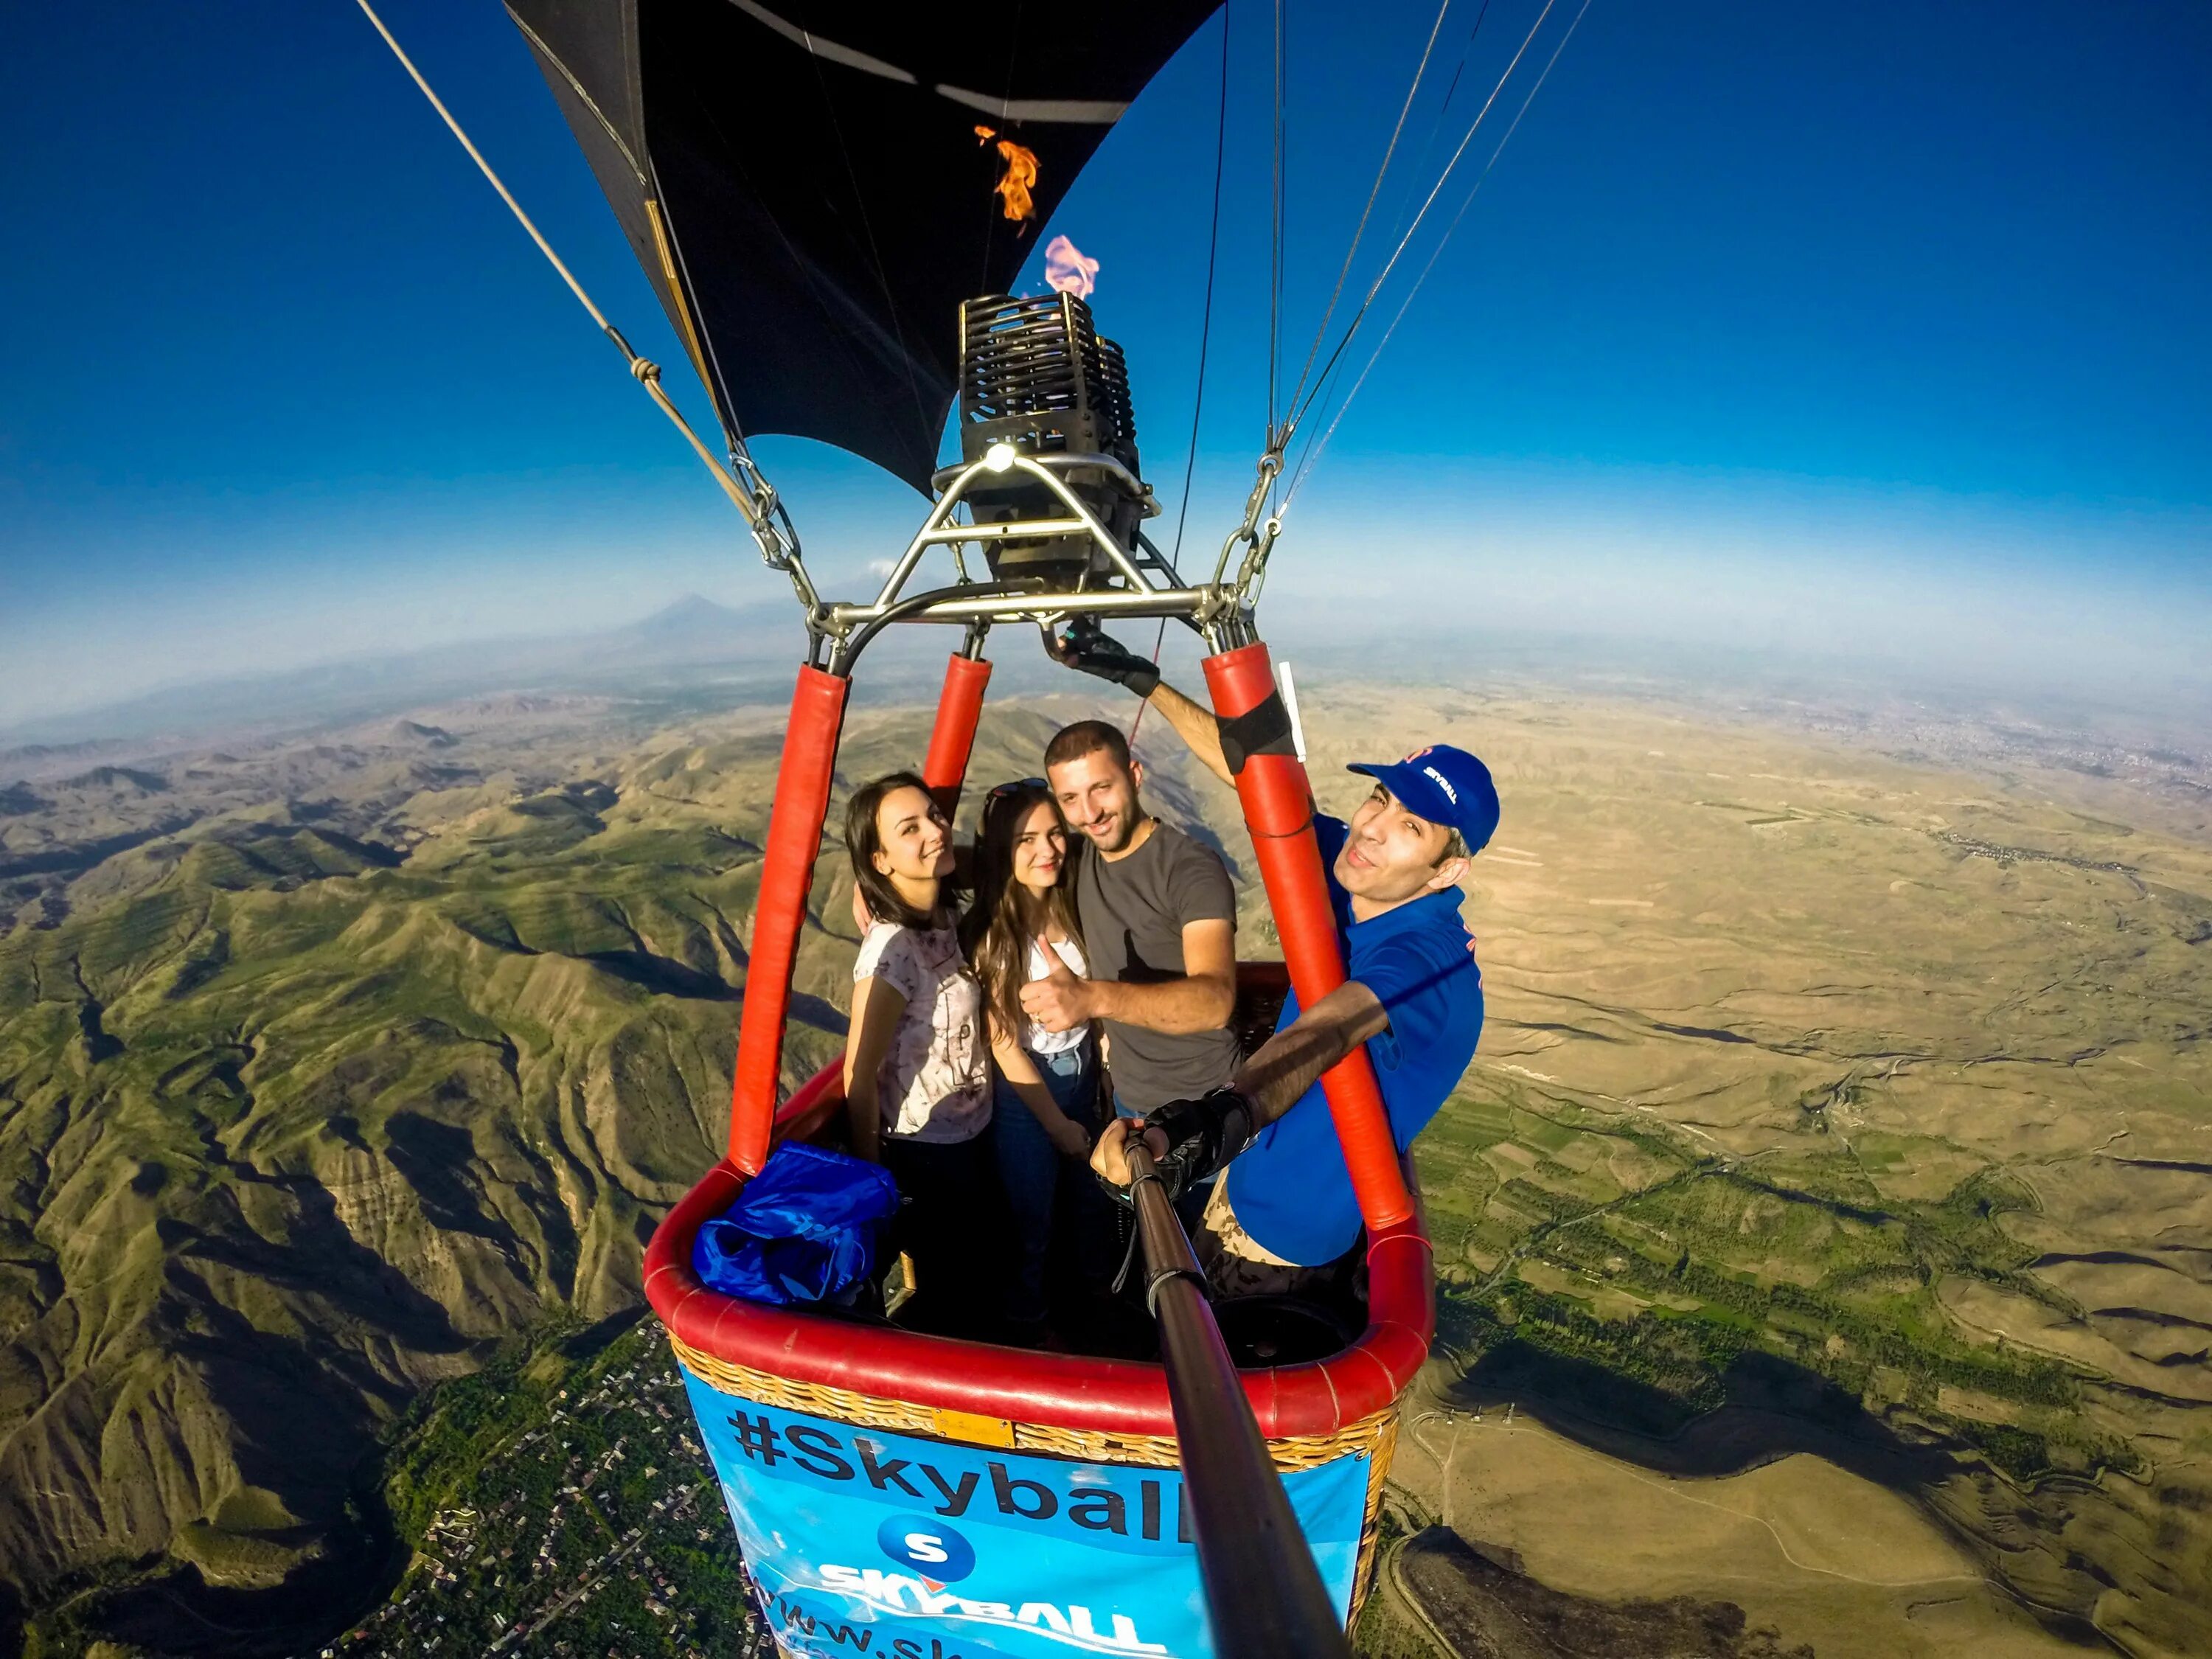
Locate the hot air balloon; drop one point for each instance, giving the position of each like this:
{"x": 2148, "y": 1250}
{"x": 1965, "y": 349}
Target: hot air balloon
{"x": 833, "y": 204}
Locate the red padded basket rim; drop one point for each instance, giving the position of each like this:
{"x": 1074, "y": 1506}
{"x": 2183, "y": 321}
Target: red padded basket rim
{"x": 1050, "y": 1389}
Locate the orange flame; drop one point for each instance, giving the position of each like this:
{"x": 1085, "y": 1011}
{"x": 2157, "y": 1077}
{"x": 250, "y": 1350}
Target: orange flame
{"x": 1021, "y": 173}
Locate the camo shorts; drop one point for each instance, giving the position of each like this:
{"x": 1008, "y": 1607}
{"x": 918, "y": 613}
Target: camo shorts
{"x": 1236, "y": 1264}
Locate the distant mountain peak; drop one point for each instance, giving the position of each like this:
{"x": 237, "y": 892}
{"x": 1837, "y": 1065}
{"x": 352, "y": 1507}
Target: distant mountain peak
{"x": 118, "y": 777}
{"x": 431, "y": 737}
{"x": 691, "y": 610}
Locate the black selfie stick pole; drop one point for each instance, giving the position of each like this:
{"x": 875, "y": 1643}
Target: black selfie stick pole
{"x": 1264, "y": 1595}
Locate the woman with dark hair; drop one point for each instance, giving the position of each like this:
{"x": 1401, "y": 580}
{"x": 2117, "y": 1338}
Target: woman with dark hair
{"x": 1020, "y": 926}
{"x": 917, "y": 1068}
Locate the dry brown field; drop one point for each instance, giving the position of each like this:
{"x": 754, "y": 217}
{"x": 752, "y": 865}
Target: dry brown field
{"x": 1892, "y": 1074}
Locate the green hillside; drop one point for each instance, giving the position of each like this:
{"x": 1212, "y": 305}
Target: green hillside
{"x": 1829, "y": 1103}
{"x": 296, "y": 1122}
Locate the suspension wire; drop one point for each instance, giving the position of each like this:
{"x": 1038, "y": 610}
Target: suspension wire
{"x": 1325, "y": 390}
{"x": 992, "y": 214}
{"x": 1275, "y": 254}
{"x": 1205, "y": 338}
{"x": 1436, "y": 126}
{"x": 1406, "y": 240}
{"x": 643, "y": 370}
{"x": 1313, "y": 455}
{"x": 1332, "y": 381}
{"x": 1373, "y": 191}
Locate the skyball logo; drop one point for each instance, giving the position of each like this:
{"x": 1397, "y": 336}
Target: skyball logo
{"x": 938, "y": 1555}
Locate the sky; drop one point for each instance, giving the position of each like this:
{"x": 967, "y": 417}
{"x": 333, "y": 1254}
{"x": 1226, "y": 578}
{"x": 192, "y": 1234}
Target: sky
{"x": 1871, "y": 332}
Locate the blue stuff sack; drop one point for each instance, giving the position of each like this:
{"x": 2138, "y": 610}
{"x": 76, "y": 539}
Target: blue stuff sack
{"x": 805, "y": 1229}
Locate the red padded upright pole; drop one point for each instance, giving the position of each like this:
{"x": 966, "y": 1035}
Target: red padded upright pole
{"x": 1278, "y": 801}
{"x": 952, "y": 739}
{"x": 794, "y": 836}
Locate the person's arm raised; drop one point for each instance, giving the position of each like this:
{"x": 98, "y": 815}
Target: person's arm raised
{"x": 1089, "y": 650}
{"x": 1196, "y": 725}
{"x": 1201, "y": 1001}
{"x": 876, "y": 1009}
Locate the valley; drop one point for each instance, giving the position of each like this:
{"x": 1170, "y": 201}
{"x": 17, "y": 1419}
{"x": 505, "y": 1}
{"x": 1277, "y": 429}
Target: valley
{"x": 1841, "y": 1137}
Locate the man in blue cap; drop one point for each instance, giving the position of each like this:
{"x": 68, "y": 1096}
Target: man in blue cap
{"x": 1283, "y": 1212}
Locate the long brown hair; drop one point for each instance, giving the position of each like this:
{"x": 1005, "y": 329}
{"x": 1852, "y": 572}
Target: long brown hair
{"x": 998, "y": 926}
{"x": 864, "y": 839}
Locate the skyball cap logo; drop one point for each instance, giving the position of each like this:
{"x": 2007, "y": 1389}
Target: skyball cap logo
{"x": 925, "y": 1546}
{"x": 1444, "y": 785}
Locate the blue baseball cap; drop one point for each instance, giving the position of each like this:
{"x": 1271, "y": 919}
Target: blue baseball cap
{"x": 1445, "y": 785}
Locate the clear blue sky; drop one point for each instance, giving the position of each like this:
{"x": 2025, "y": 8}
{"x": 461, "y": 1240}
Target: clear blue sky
{"x": 1776, "y": 325}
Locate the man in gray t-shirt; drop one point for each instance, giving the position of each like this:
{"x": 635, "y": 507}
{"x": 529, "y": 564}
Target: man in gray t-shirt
{"x": 1159, "y": 929}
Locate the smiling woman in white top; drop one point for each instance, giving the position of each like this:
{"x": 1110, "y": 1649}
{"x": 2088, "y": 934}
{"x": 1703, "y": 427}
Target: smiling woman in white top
{"x": 1021, "y": 926}
{"x": 917, "y": 1068}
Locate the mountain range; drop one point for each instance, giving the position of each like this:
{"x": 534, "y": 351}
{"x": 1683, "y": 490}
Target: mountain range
{"x": 674, "y": 646}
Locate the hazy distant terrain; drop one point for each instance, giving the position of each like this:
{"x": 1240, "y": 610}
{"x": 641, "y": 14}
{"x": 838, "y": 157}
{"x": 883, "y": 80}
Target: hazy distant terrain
{"x": 1844, "y": 1101}
{"x": 680, "y": 647}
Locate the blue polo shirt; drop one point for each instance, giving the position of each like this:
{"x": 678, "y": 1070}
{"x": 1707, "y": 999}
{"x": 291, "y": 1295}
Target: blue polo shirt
{"x": 1290, "y": 1190}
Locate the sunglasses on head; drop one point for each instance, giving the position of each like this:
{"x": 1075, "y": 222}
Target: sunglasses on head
{"x": 1000, "y": 791}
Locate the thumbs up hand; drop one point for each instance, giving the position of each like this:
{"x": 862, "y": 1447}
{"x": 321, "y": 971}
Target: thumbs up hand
{"x": 1059, "y": 1001}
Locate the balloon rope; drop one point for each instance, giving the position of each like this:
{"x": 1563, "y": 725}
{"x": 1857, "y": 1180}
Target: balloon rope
{"x": 1295, "y": 417}
{"x": 1330, "y": 383}
{"x": 1313, "y": 459}
{"x": 1205, "y": 338}
{"x": 1275, "y": 275}
{"x": 1436, "y": 126}
{"x": 643, "y": 370}
{"x": 1374, "y": 190}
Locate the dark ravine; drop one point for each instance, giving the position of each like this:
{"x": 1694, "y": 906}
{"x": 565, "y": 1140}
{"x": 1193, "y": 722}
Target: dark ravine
{"x": 1774, "y": 1410}
{"x": 1474, "y": 1600}
{"x": 305, "y": 1108}
{"x": 277, "y": 1155}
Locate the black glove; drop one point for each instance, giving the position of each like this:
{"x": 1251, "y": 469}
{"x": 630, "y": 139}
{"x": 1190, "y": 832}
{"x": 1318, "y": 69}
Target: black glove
{"x": 1202, "y": 1135}
{"x": 1086, "y": 647}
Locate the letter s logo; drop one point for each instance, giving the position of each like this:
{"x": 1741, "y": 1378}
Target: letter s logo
{"x": 925, "y": 1545}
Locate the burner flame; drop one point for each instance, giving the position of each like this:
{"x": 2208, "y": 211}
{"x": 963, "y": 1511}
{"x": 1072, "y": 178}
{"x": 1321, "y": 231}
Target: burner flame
{"x": 1021, "y": 173}
{"x": 1068, "y": 268}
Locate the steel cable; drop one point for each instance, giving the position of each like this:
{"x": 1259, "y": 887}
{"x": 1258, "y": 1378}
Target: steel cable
{"x": 1275, "y": 245}
{"x": 1313, "y": 455}
{"x": 1324, "y": 387}
{"x": 1429, "y": 143}
{"x": 646, "y": 372}
{"x": 1398, "y": 252}
{"x": 1374, "y": 190}
{"x": 1204, "y": 338}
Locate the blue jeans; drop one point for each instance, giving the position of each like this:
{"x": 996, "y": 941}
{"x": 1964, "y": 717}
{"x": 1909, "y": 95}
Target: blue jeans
{"x": 1033, "y": 1170}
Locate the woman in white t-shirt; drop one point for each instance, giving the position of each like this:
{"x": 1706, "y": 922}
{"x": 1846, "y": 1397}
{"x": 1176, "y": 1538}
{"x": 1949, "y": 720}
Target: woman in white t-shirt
{"x": 917, "y": 1059}
{"x": 1021, "y": 925}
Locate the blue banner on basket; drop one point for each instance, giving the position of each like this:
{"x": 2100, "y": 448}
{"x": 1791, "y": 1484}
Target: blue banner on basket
{"x": 858, "y": 1541}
